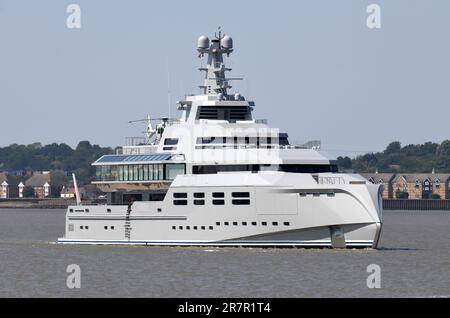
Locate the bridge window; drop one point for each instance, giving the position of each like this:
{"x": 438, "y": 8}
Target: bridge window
{"x": 213, "y": 169}
{"x": 172, "y": 170}
{"x": 171, "y": 141}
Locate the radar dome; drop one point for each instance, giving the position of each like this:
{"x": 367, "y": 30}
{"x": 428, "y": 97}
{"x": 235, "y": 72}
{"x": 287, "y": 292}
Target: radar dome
{"x": 203, "y": 42}
{"x": 227, "y": 42}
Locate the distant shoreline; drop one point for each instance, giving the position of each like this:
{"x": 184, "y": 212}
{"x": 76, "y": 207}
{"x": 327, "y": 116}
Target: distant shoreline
{"x": 59, "y": 203}
{"x": 35, "y": 203}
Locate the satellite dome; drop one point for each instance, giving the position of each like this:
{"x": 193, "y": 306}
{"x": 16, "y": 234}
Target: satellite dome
{"x": 227, "y": 42}
{"x": 203, "y": 42}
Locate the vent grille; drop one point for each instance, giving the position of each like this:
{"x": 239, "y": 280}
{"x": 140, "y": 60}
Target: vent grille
{"x": 223, "y": 113}
{"x": 208, "y": 113}
{"x": 238, "y": 113}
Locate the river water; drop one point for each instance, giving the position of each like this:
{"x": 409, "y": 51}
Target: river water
{"x": 414, "y": 261}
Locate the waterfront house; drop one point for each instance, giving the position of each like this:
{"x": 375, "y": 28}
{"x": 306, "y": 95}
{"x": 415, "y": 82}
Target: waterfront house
{"x": 21, "y": 186}
{"x": 412, "y": 185}
{"x": 7, "y": 184}
{"x": 67, "y": 193}
{"x": 381, "y": 178}
{"x": 40, "y": 182}
{"x": 4, "y": 190}
{"x": 421, "y": 186}
{"x": 4, "y": 186}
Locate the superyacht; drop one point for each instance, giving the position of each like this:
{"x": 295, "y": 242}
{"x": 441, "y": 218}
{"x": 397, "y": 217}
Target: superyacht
{"x": 216, "y": 176}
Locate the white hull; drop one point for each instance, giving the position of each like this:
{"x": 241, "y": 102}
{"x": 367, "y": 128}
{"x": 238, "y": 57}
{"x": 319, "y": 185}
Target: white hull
{"x": 280, "y": 213}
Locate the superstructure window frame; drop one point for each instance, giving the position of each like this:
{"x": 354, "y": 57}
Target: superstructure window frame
{"x": 170, "y": 141}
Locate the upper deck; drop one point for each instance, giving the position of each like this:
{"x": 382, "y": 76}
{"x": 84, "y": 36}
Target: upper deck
{"x": 216, "y": 132}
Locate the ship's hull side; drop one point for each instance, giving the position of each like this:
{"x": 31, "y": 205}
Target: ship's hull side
{"x": 251, "y": 215}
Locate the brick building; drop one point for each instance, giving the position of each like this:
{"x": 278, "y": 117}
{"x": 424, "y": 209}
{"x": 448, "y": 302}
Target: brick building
{"x": 412, "y": 185}
{"x": 40, "y": 182}
{"x": 381, "y": 178}
{"x": 421, "y": 185}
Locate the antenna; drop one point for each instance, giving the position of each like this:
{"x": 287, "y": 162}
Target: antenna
{"x": 168, "y": 87}
{"x": 215, "y": 81}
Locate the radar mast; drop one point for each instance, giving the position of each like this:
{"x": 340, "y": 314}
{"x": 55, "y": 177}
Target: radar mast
{"x": 215, "y": 81}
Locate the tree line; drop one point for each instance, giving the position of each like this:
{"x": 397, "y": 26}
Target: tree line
{"x": 60, "y": 159}
{"x": 420, "y": 158}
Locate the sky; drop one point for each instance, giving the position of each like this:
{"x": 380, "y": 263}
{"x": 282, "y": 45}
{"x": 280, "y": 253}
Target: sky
{"x": 313, "y": 68}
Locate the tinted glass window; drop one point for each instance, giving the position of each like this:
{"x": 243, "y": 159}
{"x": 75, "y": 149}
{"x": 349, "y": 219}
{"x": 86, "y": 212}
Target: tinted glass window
{"x": 170, "y": 141}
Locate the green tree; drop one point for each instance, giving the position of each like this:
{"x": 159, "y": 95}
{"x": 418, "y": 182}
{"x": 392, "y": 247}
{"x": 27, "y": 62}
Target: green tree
{"x": 344, "y": 162}
{"x": 28, "y": 192}
{"x": 401, "y": 194}
{"x": 57, "y": 181}
{"x": 444, "y": 148}
{"x": 435, "y": 196}
{"x": 393, "y": 147}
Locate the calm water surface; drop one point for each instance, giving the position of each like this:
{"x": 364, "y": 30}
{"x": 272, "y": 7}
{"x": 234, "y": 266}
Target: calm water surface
{"x": 414, "y": 258}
